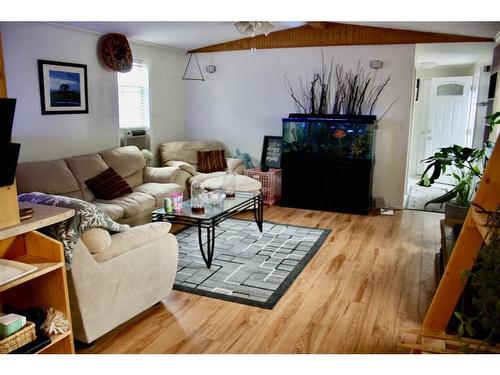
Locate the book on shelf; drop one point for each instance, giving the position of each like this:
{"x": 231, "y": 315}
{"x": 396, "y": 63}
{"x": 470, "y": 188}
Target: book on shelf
{"x": 34, "y": 346}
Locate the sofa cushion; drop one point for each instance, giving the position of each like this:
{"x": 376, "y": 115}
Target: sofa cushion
{"x": 128, "y": 162}
{"x": 159, "y": 190}
{"x": 50, "y": 177}
{"x": 234, "y": 164}
{"x": 187, "y": 150}
{"x": 242, "y": 183}
{"x": 85, "y": 167}
{"x": 182, "y": 165}
{"x": 133, "y": 204}
{"x": 205, "y": 176}
{"x": 108, "y": 185}
{"x": 96, "y": 239}
{"x": 163, "y": 175}
{"x": 211, "y": 161}
{"x": 133, "y": 238}
{"x": 114, "y": 211}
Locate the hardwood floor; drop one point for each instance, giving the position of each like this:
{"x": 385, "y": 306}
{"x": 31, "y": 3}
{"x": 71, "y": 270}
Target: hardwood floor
{"x": 373, "y": 276}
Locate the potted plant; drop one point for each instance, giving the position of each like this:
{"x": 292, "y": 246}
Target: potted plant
{"x": 480, "y": 317}
{"x": 464, "y": 165}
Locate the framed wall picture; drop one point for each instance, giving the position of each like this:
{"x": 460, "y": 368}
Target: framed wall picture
{"x": 271, "y": 152}
{"x": 63, "y": 87}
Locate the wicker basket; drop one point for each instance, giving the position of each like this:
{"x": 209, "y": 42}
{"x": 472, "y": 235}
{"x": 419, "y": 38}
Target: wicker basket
{"x": 18, "y": 339}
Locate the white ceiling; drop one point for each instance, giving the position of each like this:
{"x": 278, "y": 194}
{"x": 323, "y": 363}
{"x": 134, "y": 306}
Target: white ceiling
{"x": 454, "y": 53}
{"x": 481, "y": 29}
{"x": 182, "y": 35}
{"x": 191, "y": 35}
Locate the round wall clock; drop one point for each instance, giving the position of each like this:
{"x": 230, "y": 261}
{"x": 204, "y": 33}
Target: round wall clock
{"x": 116, "y": 53}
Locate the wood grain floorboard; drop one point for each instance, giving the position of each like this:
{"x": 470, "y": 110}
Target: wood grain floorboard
{"x": 373, "y": 276}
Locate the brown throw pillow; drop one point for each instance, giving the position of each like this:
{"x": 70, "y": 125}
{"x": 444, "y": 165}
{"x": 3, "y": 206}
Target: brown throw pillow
{"x": 211, "y": 161}
{"x": 108, "y": 185}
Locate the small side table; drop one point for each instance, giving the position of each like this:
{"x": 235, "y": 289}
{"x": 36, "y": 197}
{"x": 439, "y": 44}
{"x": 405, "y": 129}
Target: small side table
{"x": 271, "y": 183}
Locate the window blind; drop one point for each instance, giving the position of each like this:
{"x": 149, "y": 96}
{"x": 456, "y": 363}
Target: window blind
{"x": 133, "y": 97}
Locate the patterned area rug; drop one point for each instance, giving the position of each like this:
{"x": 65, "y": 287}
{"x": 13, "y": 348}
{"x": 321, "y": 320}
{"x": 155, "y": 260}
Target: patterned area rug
{"x": 249, "y": 267}
{"x": 420, "y": 195}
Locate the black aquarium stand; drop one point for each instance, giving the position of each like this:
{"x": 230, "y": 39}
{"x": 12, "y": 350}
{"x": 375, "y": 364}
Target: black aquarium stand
{"x": 341, "y": 185}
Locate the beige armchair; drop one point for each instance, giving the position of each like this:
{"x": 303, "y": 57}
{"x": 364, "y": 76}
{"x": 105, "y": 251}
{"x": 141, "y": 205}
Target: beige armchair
{"x": 183, "y": 155}
{"x": 115, "y": 277}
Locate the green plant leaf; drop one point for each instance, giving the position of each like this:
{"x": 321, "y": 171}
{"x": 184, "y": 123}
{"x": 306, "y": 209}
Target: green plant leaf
{"x": 443, "y": 198}
{"x": 461, "y": 330}
{"x": 470, "y": 330}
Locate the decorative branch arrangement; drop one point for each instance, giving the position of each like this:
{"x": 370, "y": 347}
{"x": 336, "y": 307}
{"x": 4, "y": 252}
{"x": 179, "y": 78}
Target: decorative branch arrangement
{"x": 355, "y": 92}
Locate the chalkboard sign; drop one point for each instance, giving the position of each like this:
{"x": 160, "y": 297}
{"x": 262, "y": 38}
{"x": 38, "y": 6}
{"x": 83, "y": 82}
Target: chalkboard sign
{"x": 271, "y": 152}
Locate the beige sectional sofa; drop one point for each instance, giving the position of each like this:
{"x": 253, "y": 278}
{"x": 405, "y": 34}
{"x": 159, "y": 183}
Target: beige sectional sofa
{"x": 67, "y": 177}
{"x": 113, "y": 277}
{"x": 183, "y": 154}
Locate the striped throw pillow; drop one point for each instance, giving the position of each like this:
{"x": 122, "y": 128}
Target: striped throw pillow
{"x": 108, "y": 185}
{"x": 211, "y": 161}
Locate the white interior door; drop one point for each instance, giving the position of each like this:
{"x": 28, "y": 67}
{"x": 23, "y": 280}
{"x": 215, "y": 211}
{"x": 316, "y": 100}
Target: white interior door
{"x": 448, "y": 117}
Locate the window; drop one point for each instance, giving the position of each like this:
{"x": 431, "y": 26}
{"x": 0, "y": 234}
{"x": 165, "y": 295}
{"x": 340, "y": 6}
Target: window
{"x": 450, "y": 89}
{"x": 133, "y": 97}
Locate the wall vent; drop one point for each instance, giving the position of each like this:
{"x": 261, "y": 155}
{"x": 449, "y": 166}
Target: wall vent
{"x": 379, "y": 202}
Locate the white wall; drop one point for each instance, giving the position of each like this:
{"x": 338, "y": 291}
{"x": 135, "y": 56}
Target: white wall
{"x": 481, "y": 82}
{"x": 446, "y": 71}
{"x": 55, "y": 136}
{"x": 166, "y": 87}
{"x": 246, "y": 99}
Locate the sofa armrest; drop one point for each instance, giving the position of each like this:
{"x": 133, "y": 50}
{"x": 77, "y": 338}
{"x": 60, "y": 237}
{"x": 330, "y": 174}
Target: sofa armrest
{"x": 182, "y": 165}
{"x": 160, "y": 174}
{"x": 132, "y": 238}
{"x": 235, "y": 165}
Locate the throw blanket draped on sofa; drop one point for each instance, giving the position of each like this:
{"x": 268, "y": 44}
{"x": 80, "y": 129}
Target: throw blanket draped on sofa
{"x": 68, "y": 232}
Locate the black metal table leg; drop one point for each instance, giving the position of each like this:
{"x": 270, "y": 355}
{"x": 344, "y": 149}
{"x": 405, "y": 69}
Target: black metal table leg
{"x": 254, "y": 203}
{"x": 258, "y": 211}
{"x": 208, "y": 257}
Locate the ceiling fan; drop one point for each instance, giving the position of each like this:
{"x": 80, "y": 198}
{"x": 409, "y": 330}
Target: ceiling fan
{"x": 253, "y": 28}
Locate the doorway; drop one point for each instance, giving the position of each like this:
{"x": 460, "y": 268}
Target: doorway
{"x": 446, "y": 94}
{"x": 446, "y": 120}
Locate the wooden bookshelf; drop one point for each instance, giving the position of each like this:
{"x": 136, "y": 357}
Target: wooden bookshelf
{"x": 47, "y": 286}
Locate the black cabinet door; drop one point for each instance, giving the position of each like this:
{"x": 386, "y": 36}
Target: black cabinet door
{"x": 341, "y": 185}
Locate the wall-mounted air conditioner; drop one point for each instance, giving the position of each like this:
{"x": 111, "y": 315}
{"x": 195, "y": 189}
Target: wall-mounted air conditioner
{"x": 136, "y": 137}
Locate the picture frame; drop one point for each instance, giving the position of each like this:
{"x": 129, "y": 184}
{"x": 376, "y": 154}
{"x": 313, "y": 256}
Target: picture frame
{"x": 63, "y": 87}
{"x": 271, "y": 151}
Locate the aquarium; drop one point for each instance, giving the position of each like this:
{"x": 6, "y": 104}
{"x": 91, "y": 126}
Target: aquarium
{"x": 329, "y": 136}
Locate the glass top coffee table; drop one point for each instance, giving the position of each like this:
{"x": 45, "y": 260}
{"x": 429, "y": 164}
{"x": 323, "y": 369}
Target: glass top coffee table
{"x": 213, "y": 215}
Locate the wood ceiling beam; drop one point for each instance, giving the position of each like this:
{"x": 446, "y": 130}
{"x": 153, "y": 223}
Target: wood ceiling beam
{"x": 319, "y": 34}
